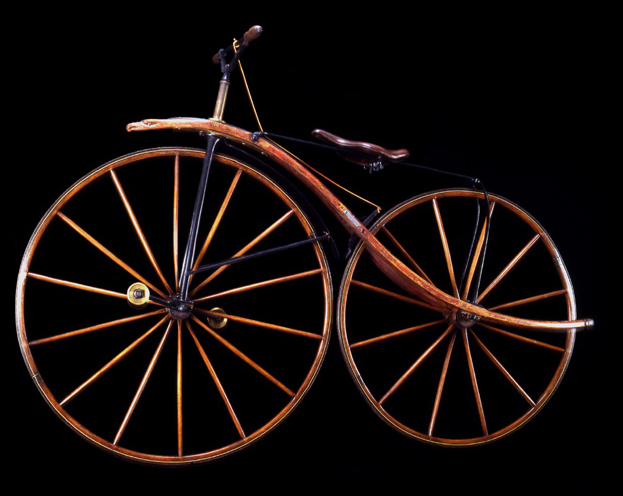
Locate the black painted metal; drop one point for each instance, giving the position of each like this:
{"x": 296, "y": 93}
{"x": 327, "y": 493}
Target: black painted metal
{"x": 189, "y": 253}
{"x": 262, "y": 253}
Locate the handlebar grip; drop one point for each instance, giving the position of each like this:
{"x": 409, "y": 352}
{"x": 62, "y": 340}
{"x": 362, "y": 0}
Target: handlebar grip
{"x": 252, "y": 34}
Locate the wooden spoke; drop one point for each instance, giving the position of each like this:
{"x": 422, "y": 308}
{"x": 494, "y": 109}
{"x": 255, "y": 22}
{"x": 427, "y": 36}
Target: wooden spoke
{"x": 472, "y": 375}
{"x": 176, "y": 220}
{"x": 406, "y": 254}
{"x": 527, "y": 301}
{"x": 138, "y": 230}
{"x": 112, "y": 362}
{"x": 218, "y": 218}
{"x": 477, "y": 253}
{"x": 217, "y": 382}
{"x": 142, "y": 385}
{"x": 259, "y": 285}
{"x": 258, "y": 323}
{"x": 524, "y": 339}
{"x": 416, "y": 364}
{"x": 395, "y": 334}
{"x": 509, "y": 267}
{"x": 246, "y": 248}
{"x": 501, "y": 368}
{"x": 442, "y": 381}
{"x": 75, "y": 285}
{"x": 392, "y": 294}
{"x": 446, "y": 248}
{"x": 244, "y": 357}
{"x": 109, "y": 254}
{"x": 93, "y": 328}
{"x": 179, "y": 370}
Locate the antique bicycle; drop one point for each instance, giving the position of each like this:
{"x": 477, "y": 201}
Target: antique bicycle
{"x": 455, "y": 315}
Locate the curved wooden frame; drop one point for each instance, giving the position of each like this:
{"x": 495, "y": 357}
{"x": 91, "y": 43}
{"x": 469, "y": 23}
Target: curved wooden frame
{"x": 391, "y": 265}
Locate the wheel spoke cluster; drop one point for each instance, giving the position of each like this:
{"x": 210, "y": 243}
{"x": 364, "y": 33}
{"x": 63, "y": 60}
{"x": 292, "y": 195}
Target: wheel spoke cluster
{"x": 405, "y": 354}
{"x": 62, "y": 355}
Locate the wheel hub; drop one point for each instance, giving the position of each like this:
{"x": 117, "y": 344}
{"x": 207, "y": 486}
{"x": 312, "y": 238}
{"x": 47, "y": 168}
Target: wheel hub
{"x": 465, "y": 320}
{"x": 180, "y": 309}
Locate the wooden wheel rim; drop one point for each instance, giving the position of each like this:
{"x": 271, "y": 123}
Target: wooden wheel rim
{"x": 105, "y": 443}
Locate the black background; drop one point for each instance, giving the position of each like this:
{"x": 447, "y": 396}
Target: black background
{"x": 514, "y": 95}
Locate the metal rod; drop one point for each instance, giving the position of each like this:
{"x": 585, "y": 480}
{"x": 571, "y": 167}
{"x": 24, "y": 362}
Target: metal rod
{"x": 191, "y": 245}
{"x": 262, "y": 253}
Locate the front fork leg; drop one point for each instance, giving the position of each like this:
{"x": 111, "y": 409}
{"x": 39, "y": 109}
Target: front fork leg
{"x": 189, "y": 253}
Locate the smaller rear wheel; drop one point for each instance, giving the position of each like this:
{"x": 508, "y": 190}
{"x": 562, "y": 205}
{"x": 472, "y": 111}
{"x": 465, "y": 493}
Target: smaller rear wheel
{"x": 445, "y": 377}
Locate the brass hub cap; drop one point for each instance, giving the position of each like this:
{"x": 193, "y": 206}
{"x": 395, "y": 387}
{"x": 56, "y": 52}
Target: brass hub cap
{"x": 138, "y": 295}
{"x": 215, "y": 321}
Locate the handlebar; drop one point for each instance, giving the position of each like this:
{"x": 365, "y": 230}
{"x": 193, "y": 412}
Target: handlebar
{"x": 252, "y": 34}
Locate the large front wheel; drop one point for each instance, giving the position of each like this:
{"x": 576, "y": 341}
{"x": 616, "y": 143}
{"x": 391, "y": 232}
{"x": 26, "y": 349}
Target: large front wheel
{"x": 149, "y": 380}
{"x": 445, "y": 377}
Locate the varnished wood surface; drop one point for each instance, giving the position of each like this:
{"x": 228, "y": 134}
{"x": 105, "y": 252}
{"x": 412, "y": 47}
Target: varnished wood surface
{"x": 394, "y": 268}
